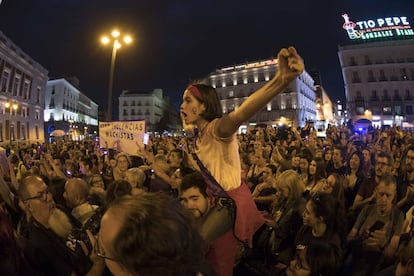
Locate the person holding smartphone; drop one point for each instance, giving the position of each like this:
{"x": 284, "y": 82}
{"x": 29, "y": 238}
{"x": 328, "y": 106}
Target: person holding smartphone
{"x": 378, "y": 228}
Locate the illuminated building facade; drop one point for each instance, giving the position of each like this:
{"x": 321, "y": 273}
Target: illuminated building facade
{"x": 70, "y": 110}
{"x": 235, "y": 83}
{"x": 379, "y": 73}
{"x": 151, "y": 106}
{"x": 22, "y": 86}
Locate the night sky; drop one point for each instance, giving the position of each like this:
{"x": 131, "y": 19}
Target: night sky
{"x": 177, "y": 41}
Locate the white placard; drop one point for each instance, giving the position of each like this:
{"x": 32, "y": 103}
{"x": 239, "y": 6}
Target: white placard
{"x": 122, "y": 136}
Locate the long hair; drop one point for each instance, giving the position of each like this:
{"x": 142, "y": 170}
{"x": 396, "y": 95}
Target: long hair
{"x": 338, "y": 191}
{"x": 331, "y": 211}
{"x": 292, "y": 180}
{"x": 360, "y": 170}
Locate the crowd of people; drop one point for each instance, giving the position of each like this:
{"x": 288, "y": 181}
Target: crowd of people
{"x": 272, "y": 201}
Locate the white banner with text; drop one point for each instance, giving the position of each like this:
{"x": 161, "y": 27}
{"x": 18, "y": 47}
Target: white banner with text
{"x": 122, "y": 136}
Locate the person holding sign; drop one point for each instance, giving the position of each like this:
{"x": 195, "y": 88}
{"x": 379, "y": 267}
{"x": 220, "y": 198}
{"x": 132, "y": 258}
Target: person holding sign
{"x": 216, "y": 149}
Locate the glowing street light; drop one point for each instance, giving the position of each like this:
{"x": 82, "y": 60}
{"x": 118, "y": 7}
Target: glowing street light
{"x": 11, "y": 107}
{"x": 116, "y": 44}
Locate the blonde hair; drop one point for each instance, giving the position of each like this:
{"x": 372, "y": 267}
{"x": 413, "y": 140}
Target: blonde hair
{"x": 292, "y": 180}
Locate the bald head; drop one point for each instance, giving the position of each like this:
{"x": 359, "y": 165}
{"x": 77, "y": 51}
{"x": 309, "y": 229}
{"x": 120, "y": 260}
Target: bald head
{"x": 76, "y": 192}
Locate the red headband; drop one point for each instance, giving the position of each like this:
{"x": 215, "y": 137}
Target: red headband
{"x": 196, "y": 93}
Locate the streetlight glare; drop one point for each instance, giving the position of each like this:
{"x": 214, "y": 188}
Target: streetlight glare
{"x": 116, "y": 44}
{"x": 105, "y": 40}
{"x": 115, "y": 33}
{"x": 7, "y": 105}
{"x": 127, "y": 39}
{"x": 15, "y": 106}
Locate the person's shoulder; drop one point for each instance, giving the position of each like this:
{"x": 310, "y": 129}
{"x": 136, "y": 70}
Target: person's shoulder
{"x": 397, "y": 211}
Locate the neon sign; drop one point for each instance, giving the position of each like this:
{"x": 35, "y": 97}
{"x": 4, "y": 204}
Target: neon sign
{"x": 395, "y": 26}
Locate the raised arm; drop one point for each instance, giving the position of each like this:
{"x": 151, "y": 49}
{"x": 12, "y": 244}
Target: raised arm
{"x": 290, "y": 66}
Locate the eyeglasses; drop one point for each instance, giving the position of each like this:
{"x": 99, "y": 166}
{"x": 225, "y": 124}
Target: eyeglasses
{"x": 100, "y": 252}
{"x": 42, "y": 196}
{"x": 381, "y": 164}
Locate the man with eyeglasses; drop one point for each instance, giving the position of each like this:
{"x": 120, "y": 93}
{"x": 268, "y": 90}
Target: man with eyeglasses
{"x": 49, "y": 246}
{"x": 366, "y": 193}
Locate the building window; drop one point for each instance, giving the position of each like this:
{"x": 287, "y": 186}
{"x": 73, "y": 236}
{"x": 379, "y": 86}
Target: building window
{"x": 360, "y": 110}
{"x": 371, "y": 77}
{"x": 387, "y": 110}
{"x": 52, "y": 103}
{"x": 397, "y": 109}
{"x": 37, "y": 95}
{"x": 37, "y": 132}
{"x": 355, "y": 77}
{"x": 16, "y": 85}
{"x": 37, "y": 115}
{"x": 352, "y": 61}
{"x": 404, "y": 75}
{"x": 23, "y": 133}
{"x": 382, "y": 75}
{"x": 396, "y": 95}
{"x": 1, "y": 132}
{"x": 125, "y": 113}
{"x": 12, "y": 135}
{"x": 231, "y": 93}
{"x": 26, "y": 87}
{"x": 409, "y": 109}
{"x": 367, "y": 60}
{"x": 374, "y": 95}
{"x": 386, "y": 97}
{"x": 288, "y": 103}
{"x": 4, "y": 81}
{"x": 407, "y": 95}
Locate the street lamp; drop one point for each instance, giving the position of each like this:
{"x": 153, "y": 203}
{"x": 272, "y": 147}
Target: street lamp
{"x": 115, "y": 38}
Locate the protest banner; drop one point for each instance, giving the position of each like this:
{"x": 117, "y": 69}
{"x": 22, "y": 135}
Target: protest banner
{"x": 122, "y": 136}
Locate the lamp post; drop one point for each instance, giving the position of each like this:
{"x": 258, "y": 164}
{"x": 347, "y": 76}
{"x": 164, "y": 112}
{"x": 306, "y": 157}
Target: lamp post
{"x": 116, "y": 44}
